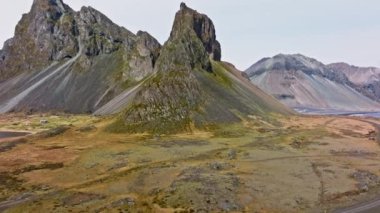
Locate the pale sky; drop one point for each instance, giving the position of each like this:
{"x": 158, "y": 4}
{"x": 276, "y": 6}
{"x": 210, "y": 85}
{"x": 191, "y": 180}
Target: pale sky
{"x": 328, "y": 30}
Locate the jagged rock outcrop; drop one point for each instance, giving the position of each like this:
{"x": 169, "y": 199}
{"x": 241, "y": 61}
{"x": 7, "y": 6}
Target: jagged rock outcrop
{"x": 168, "y": 99}
{"x": 82, "y": 62}
{"x": 305, "y": 83}
{"x": 44, "y": 34}
{"x": 59, "y": 56}
{"x": 191, "y": 87}
{"x": 201, "y": 25}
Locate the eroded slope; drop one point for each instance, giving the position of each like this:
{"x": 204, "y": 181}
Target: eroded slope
{"x": 71, "y": 61}
{"x": 302, "y": 82}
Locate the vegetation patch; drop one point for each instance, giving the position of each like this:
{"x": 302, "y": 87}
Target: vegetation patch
{"x": 177, "y": 143}
{"x": 87, "y": 128}
{"x": 9, "y": 184}
{"x": 53, "y": 132}
{"x": 219, "y": 73}
{"x": 197, "y": 189}
{"x": 230, "y": 131}
{"x": 80, "y": 198}
{"x": 165, "y": 105}
{"x": 6, "y": 146}
{"x": 50, "y": 166}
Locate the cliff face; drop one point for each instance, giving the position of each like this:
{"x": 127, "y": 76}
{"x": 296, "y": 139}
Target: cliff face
{"x": 44, "y": 34}
{"x": 58, "y": 55}
{"x": 201, "y": 25}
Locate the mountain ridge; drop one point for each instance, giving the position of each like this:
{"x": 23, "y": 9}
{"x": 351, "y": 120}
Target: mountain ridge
{"x": 302, "y": 82}
{"x": 180, "y": 86}
{"x": 111, "y": 59}
{"x": 191, "y": 87}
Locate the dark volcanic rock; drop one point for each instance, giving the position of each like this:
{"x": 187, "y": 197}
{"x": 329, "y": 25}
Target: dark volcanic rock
{"x": 44, "y": 34}
{"x": 59, "y": 56}
{"x": 201, "y": 25}
{"x": 371, "y": 90}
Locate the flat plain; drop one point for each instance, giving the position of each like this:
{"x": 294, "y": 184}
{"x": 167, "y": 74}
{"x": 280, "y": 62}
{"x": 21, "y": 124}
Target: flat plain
{"x": 301, "y": 164}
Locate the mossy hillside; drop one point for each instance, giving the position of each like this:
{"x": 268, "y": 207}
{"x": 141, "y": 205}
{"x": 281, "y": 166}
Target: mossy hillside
{"x": 230, "y": 100}
{"x": 184, "y": 50}
{"x": 219, "y": 73}
{"x": 167, "y": 102}
{"x": 164, "y": 105}
{"x": 189, "y": 89}
{"x": 177, "y": 105}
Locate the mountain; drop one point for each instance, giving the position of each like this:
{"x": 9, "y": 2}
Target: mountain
{"x": 191, "y": 87}
{"x": 366, "y": 79}
{"x": 64, "y": 60}
{"x": 81, "y": 62}
{"x": 302, "y": 82}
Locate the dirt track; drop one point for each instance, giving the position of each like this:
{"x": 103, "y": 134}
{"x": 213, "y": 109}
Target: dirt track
{"x": 368, "y": 207}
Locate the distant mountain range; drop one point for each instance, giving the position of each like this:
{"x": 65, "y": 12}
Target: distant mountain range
{"x": 81, "y": 62}
{"x": 302, "y": 82}
{"x": 365, "y": 79}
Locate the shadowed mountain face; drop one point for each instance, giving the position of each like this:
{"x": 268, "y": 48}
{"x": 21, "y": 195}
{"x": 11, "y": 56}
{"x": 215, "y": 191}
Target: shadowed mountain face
{"x": 191, "y": 87}
{"x": 59, "y": 56}
{"x": 365, "y": 79}
{"x": 82, "y": 62}
{"x": 303, "y": 82}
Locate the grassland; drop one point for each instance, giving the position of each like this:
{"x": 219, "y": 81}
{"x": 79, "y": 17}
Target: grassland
{"x": 302, "y": 164}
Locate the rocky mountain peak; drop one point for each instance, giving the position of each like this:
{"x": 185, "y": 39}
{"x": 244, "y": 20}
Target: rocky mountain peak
{"x": 53, "y": 8}
{"x": 90, "y": 15}
{"x": 190, "y": 86}
{"x": 167, "y": 101}
{"x": 85, "y": 48}
{"x": 44, "y": 34}
{"x": 188, "y": 19}
{"x": 183, "y": 6}
{"x": 47, "y": 3}
{"x": 52, "y": 31}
